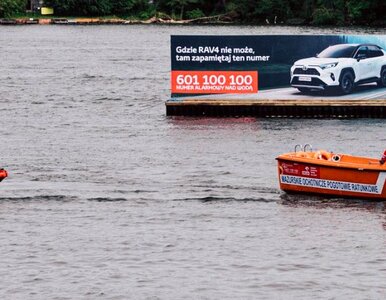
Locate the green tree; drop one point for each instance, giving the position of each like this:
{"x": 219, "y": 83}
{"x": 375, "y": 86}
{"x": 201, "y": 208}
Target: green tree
{"x": 318, "y": 12}
{"x": 301, "y": 10}
{"x": 271, "y": 9}
{"x": 132, "y": 7}
{"x": 366, "y": 11}
{"x": 329, "y": 12}
{"x": 81, "y": 7}
{"x": 243, "y": 8}
{"x": 8, "y": 8}
{"x": 178, "y": 5}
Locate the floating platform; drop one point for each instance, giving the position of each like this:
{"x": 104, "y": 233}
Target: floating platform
{"x": 368, "y": 102}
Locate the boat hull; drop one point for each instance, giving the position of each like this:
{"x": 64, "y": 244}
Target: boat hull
{"x": 317, "y": 178}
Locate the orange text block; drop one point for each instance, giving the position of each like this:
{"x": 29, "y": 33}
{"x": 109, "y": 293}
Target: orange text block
{"x": 214, "y": 82}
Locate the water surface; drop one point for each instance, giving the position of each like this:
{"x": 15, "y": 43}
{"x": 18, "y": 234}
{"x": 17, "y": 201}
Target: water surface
{"x": 108, "y": 198}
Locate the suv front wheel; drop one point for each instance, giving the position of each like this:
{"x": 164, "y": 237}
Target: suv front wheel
{"x": 382, "y": 80}
{"x": 346, "y": 83}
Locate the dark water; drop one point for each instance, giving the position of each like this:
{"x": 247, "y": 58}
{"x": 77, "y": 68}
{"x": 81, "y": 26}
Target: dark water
{"x": 109, "y": 199}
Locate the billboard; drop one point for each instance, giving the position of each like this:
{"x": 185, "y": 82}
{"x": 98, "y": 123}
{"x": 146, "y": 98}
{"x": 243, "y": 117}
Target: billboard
{"x": 279, "y": 66}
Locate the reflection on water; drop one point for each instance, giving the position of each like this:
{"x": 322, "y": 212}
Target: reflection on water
{"x": 322, "y": 202}
{"x": 217, "y": 123}
{"x": 376, "y": 208}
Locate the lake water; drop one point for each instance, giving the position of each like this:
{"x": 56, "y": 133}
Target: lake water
{"x": 107, "y": 198}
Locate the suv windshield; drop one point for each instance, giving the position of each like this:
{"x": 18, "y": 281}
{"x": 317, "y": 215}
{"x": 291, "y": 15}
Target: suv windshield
{"x": 337, "y": 51}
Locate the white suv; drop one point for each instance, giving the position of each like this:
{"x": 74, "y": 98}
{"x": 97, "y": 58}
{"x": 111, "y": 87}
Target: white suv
{"x": 341, "y": 66}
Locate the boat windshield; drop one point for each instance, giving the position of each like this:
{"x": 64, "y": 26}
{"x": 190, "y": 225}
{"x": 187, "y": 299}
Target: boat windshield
{"x": 337, "y": 51}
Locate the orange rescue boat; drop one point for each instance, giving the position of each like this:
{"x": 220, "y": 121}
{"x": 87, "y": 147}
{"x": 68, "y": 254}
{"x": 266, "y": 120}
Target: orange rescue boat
{"x": 334, "y": 174}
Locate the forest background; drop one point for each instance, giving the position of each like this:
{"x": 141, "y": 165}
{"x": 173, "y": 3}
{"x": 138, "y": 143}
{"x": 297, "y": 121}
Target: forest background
{"x": 293, "y": 12}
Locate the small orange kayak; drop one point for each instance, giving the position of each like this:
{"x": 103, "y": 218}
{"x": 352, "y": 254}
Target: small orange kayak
{"x": 335, "y": 174}
{"x": 3, "y": 174}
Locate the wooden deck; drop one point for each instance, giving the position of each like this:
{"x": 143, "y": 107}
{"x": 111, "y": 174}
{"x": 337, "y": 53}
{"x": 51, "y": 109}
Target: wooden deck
{"x": 282, "y": 108}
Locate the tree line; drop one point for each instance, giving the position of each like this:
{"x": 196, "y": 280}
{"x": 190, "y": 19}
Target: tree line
{"x": 316, "y": 12}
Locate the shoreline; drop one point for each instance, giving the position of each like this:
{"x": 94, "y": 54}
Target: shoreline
{"x": 160, "y": 21}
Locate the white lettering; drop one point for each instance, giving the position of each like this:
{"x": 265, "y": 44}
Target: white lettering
{"x": 336, "y": 185}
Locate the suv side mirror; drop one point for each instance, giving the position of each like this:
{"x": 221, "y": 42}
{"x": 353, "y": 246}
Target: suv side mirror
{"x": 361, "y": 56}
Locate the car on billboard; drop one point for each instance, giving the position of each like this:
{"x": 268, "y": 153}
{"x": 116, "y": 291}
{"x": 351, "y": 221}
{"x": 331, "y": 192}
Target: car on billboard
{"x": 341, "y": 67}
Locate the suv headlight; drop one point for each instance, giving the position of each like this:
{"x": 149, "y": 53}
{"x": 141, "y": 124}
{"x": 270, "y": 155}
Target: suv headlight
{"x": 327, "y": 66}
